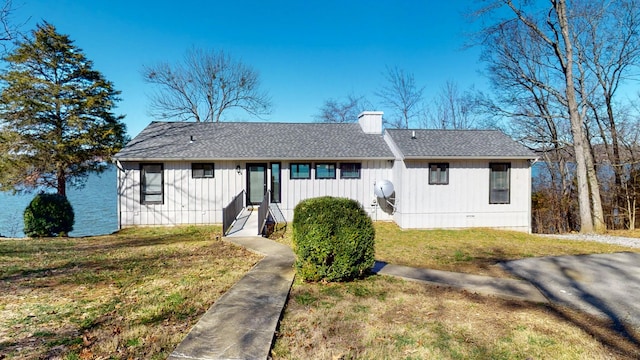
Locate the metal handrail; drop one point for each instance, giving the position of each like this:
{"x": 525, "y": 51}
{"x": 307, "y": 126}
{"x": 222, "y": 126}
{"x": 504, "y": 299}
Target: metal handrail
{"x": 263, "y": 212}
{"x": 277, "y": 217}
{"x": 231, "y": 211}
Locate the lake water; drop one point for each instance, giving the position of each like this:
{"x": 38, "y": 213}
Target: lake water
{"x": 94, "y": 207}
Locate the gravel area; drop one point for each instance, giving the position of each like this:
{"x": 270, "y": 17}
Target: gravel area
{"x": 618, "y": 240}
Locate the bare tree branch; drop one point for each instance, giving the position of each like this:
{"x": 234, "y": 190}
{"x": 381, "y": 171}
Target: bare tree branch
{"x": 452, "y": 109}
{"x": 343, "y": 111}
{"x": 402, "y": 95}
{"x": 204, "y": 86}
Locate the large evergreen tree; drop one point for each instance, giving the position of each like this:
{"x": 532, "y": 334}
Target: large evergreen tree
{"x": 56, "y": 119}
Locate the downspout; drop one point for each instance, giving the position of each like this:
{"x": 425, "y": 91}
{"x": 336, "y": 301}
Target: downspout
{"x": 530, "y": 212}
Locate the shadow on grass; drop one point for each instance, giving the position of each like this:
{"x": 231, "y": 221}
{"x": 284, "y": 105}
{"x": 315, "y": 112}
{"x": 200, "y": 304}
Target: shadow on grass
{"x": 90, "y": 258}
{"x": 49, "y": 345}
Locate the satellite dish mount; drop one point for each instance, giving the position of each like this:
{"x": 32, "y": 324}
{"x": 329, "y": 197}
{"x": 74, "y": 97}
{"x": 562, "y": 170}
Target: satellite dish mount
{"x": 383, "y": 189}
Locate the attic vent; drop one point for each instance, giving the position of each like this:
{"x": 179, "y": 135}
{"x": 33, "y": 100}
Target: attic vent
{"x": 413, "y": 134}
{"x": 191, "y": 139}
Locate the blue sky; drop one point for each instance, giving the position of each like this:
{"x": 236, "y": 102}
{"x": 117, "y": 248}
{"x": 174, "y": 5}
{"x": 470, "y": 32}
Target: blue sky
{"x": 305, "y": 51}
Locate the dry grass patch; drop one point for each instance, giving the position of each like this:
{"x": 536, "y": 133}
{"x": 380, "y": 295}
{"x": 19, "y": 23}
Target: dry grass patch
{"x": 386, "y": 318}
{"x": 625, "y": 233}
{"x": 476, "y": 251}
{"x": 132, "y": 295}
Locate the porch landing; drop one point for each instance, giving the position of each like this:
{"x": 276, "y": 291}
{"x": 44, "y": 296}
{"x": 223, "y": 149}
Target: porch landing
{"x": 246, "y": 224}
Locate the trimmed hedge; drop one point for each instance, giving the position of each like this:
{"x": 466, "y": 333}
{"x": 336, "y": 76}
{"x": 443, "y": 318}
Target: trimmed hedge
{"x": 48, "y": 215}
{"x": 334, "y": 239}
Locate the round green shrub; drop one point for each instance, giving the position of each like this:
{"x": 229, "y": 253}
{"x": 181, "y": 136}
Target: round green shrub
{"x": 333, "y": 238}
{"x": 48, "y": 215}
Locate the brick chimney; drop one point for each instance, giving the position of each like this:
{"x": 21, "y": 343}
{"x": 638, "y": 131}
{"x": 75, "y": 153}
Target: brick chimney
{"x": 371, "y": 122}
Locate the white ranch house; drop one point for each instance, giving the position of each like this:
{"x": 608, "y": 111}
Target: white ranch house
{"x": 186, "y": 173}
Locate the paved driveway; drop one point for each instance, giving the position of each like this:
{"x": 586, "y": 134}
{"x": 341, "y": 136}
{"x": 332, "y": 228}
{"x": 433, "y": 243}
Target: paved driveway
{"x": 605, "y": 284}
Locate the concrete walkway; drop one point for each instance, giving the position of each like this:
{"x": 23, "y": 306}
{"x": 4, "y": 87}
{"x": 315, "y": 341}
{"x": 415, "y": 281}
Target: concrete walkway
{"x": 242, "y": 323}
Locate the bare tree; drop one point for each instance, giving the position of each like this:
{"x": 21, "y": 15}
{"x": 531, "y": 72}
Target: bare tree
{"x": 452, "y": 108}
{"x": 608, "y": 49}
{"x": 343, "y": 111}
{"x": 9, "y": 29}
{"x": 402, "y": 96}
{"x": 204, "y": 86}
{"x": 546, "y": 32}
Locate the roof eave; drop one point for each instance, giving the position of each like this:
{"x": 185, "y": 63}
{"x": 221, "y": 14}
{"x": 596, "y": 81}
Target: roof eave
{"x": 357, "y": 158}
{"x": 423, "y": 157}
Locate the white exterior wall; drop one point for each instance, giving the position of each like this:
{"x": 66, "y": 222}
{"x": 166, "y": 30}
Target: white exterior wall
{"x": 464, "y": 202}
{"x": 186, "y": 200}
{"x": 361, "y": 190}
{"x": 200, "y": 201}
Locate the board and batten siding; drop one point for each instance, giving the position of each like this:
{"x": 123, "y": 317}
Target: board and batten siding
{"x": 200, "y": 201}
{"x": 464, "y": 202}
{"x": 186, "y": 200}
{"x": 361, "y": 190}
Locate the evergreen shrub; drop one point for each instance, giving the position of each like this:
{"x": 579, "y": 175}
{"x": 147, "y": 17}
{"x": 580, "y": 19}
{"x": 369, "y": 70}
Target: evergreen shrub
{"x": 333, "y": 239}
{"x": 48, "y": 215}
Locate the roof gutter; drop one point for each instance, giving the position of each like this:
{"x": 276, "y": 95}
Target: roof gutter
{"x": 469, "y": 157}
{"x": 257, "y": 159}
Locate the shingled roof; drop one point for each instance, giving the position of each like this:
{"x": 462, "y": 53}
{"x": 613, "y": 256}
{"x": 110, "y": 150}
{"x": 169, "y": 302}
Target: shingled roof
{"x": 253, "y": 141}
{"x": 486, "y": 144}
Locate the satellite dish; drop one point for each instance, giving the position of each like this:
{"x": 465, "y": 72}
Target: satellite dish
{"x": 383, "y": 188}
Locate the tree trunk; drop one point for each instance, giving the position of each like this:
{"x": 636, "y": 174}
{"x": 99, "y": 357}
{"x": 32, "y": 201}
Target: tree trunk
{"x": 599, "y": 224}
{"x": 577, "y": 131}
{"x": 631, "y": 212}
{"x": 62, "y": 182}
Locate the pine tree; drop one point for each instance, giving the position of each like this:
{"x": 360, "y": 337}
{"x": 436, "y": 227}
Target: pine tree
{"x": 56, "y": 120}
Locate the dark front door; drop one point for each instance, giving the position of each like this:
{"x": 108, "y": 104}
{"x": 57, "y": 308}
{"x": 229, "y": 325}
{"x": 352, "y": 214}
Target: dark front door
{"x": 256, "y": 183}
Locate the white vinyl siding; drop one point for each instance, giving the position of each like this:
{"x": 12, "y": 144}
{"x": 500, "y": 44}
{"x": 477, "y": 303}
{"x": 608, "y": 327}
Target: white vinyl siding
{"x": 464, "y": 201}
{"x": 359, "y": 189}
{"x": 189, "y": 200}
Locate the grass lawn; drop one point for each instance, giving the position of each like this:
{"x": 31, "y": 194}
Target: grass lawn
{"x": 475, "y": 251}
{"x": 133, "y": 295}
{"x": 382, "y": 317}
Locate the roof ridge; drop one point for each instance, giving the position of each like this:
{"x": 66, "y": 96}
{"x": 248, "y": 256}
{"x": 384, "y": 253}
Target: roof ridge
{"x": 449, "y": 130}
{"x": 248, "y": 122}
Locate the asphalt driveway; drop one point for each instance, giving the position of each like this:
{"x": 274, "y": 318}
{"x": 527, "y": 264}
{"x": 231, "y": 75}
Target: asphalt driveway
{"x": 605, "y": 285}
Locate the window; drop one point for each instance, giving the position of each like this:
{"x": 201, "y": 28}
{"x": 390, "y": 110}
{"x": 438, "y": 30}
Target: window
{"x": 151, "y": 184}
{"x": 350, "y": 170}
{"x": 325, "y": 171}
{"x": 300, "y": 171}
{"x": 438, "y": 174}
{"x": 499, "y": 183}
{"x": 275, "y": 182}
{"x": 202, "y": 170}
